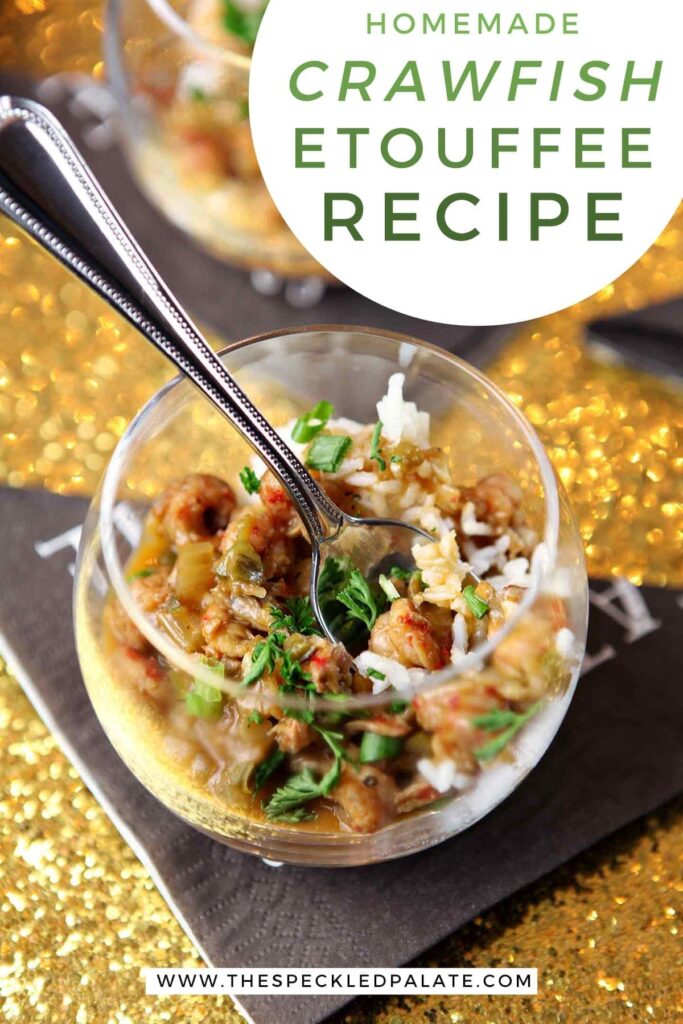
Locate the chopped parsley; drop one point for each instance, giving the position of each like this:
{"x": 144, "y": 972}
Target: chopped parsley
{"x": 243, "y": 22}
{"x": 266, "y": 768}
{"x": 263, "y": 658}
{"x": 375, "y": 450}
{"x": 397, "y": 573}
{"x": 288, "y": 802}
{"x": 298, "y": 618}
{"x": 312, "y": 422}
{"x": 250, "y": 481}
{"x": 327, "y": 452}
{"x": 505, "y": 724}
{"x": 271, "y": 654}
{"x": 334, "y": 740}
{"x": 334, "y": 581}
{"x": 477, "y": 605}
{"x": 359, "y": 599}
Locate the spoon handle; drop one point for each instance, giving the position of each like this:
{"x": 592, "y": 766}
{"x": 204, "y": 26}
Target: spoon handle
{"x": 48, "y": 190}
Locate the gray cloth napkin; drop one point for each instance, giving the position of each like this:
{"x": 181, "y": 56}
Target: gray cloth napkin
{"x": 618, "y": 756}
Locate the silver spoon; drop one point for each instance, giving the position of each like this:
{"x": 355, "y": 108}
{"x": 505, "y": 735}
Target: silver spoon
{"x": 48, "y": 190}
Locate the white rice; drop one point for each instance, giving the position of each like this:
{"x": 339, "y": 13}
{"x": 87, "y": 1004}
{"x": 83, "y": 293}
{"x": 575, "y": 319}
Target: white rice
{"x": 564, "y": 642}
{"x": 483, "y": 559}
{"x": 401, "y": 420}
{"x": 442, "y": 775}
{"x": 460, "y": 638}
{"x": 395, "y": 674}
{"x": 469, "y": 523}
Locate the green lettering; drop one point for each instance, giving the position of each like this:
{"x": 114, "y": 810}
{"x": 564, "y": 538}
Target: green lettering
{"x": 349, "y": 222}
{"x": 301, "y": 147}
{"x": 594, "y": 216}
{"x": 414, "y": 84}
{"x": 391, "y": 216}
{"x": 628, "y": 147}
{"x": 347, "y": 83}
{"x": 444, "y": 207}
{"x": 538, "y": 222}
{"x": 294, "y": 81}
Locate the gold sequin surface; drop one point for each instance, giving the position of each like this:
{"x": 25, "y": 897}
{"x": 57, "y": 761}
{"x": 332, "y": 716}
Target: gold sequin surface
{"x": 80, "y": 915}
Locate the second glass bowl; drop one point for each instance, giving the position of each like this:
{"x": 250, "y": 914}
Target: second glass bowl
{"x": 181, "y": 81}
{"x": 178, "y": 432}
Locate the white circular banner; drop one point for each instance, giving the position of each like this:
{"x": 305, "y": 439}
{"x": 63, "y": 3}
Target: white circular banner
{"x": 473, "y": 167}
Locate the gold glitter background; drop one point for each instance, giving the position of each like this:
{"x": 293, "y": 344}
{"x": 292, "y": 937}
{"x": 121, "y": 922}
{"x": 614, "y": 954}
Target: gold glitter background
{"x": 79, "y": 914}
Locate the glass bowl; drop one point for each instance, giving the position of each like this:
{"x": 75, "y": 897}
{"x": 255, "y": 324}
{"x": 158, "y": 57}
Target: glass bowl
{"x": 285, "y": 373}
{"x": 181, "y": 84}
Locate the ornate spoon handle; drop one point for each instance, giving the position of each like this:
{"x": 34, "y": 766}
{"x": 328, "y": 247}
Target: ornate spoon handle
{"x": 48, "y": 190}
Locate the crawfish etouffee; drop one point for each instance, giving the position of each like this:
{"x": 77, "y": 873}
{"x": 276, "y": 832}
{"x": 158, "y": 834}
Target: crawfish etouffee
{"x": 198, "y": 161}
{"x": 224, "y": 571}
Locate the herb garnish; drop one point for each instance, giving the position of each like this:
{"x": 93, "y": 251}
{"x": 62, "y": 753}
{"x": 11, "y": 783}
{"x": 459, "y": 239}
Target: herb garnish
{"x": 263, "y": 658}
{"x": 375, "y": 450}
{"x": 503, "y": 722}
{"x": 141, "y": 574}
{"x": 266, "y": 768}
{"x": 405, "y": 574}
{"x": 255, "y": 717}
{"x": 334, "y": 740}
{"x": 312, "y": 422}
{"x": 374, "y": 747}
{"x": 375, "y": 674}
{"x": 250, "y": 481}
{"x": 359, "y": 599}
{"x": 243, "y": 23}
{"x": 327, "y": 452}
{"x": 389, "y": 588}
{"x": 203, "y": 700}
{"x": 477, "y": 605}
{"x": 298, "y": 618}
{"x": 287, "y": 803}
{"x": 335, "y": 580}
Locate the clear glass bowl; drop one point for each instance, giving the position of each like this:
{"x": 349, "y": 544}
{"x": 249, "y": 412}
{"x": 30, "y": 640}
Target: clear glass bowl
{"x": 179, "y": 432}
{"x": 182, "y": 93}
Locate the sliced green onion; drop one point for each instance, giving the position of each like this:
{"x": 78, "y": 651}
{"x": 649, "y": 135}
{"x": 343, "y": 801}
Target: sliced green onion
{"x": 398, "y": 707}
{"x": 375, "y": 450}
{"x": 375, "y": 674}
{"x": 255, "y": 718}
{"x": 375, "y": 747}
{"x": 141, "y": 574}
{"x": 250, "y": 481}
{"x": 476, "y": 605}
{"x": 312, "y": 422}
{"x": 203, "y": 700}
{"x": 327, "y": 452}
{"x": 388, "y": 588}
